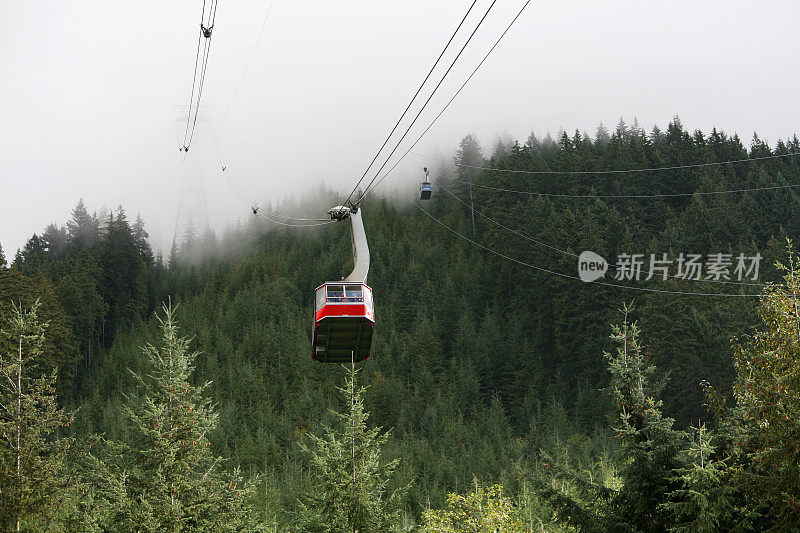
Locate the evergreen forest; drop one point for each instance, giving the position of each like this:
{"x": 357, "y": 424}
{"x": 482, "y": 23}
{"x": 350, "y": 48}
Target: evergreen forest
{"x": 142, "y": 391}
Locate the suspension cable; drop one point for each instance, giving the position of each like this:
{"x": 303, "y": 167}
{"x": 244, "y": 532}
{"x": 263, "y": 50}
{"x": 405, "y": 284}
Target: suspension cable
{"x": 447, "y": 105}
{"x": 247, "y": 67}
{"x": 194, "y": 81}
{"x": 567, "y": 276}
{"x": 421, "y": 85}
{"x": 625, "y": 171}
{"x": 573, "y": 254}
{"x": 205, "y": 33}
{"x": 238, "y": 191}
{"x": 452, "y": 64}
{"x": 629, "y": 196}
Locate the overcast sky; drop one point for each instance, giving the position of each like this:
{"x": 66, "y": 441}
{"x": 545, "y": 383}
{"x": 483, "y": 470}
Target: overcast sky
{"x": 91, "y": 92}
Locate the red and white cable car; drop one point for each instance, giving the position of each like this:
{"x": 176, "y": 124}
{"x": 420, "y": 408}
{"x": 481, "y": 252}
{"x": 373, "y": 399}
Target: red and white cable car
{"x": 343, "y": 321}
{"x": 344, "y": 312}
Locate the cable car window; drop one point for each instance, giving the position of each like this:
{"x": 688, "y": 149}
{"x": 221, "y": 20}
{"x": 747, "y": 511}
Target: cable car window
{"x": 368, "y": 298}
{"x": 353, "y": 293}
{"x": 320, "y": 300}
{"x": 335, "y": 293}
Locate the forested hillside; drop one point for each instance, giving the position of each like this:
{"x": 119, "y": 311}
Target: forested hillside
{"x": 483, "y": 370}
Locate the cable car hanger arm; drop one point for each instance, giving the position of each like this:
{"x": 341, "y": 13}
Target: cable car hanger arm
{"x": 359, "y": 239}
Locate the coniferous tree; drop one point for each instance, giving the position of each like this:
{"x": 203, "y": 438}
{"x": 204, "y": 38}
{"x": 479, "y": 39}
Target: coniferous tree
{"x": 140, "y": 237}
{"x": 548, "y": 144}
{"x": 55, "y": 240}
{"x": 533, "y": 144}
{"x": 33, "y": 256}
{"x": 519, "y": 372}
{"x": 468, "y": 155}
{"x": 650, "y": 445}
{"x": 602, "y": 136}
{"x": 649, "y": 453}
{"x": 82, "y": 229}
{"x": 79, "y": 291}
{"x": 59, "y": 350}
{"x": 123, "y": 275}
{"x": 165, "y": 477}
{"x": 767, "y": 393}
{"x": 350, "y": 477}
{"x": 468, "y": 158}
{"x": 622, "y": 129}
{"x": 656, "y": 136}
{"x": 500, "y": 148}
{"x": 172, "y": 260}
{"x": 101, "y": 219}
{"x": 33, "y": 475}
{"x": 191, "y": 238}
{"x": 706, "y": 497}
{"x": 208, "y": 244}
{"x": 3, "y": 262}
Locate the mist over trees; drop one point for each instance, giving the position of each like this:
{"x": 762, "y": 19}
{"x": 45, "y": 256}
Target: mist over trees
{"x": 498, "y": 397}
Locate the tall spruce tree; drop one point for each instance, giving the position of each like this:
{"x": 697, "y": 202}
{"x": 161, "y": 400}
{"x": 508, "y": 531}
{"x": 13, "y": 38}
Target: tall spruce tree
{"x": 350, "y": 477}
{"x": 165, "y": 477}
{"x": 140, "y": 237}
{"x": 83, "y": 229}
{"x": 650, "y": 445}
{"x": 33, "y": 256}
{"x": 767, "y": 393}
{"x": 33, "y": 475}
{"x": 649, "y": 451}
{"x": 55, "y": 240}
{"x": 124, "y": 276}
{"x": 468, "y": 155}
{"x": 706, "y": 498}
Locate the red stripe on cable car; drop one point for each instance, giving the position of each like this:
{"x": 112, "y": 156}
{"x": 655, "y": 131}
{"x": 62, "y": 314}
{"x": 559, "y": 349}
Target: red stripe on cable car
{"x": 345, "y": 310}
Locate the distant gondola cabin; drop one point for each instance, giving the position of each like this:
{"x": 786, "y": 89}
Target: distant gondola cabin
{"x": 425, "y": 190}
{"x": 344, "y": 317}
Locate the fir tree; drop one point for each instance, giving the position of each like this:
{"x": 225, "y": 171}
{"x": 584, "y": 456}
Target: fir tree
{"x": 190, "y": 238}
{"x": 650, "y": 445}
{"x": 533, "y": 144}
{"x": 767, "y": 393}
{"x": 33, "y": 256}
{"x": 500, "y": 149}
{"x": 172, "y": 260}
{"x": 123, "y": 271}
{"x": 350, "y": 477}
{"x": 649, "y": 452}
{"x": 83, "y": 228}
{"x": 55, "y": 240}
{"x": 140, "y": 237}
{"x": 468, "y": 155}
{"x": 101, "y": 218}
{"x": 3, "y": 262}
{"x": 622, "y": 129}
{"x": 602, "y": 136}
{"x": 33, "y": 477}
{"x": 165, "y": 478}
{"x": 59, "y": 350}
{"x": 705, "y": 500}
{"x": 548, "y": 144}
